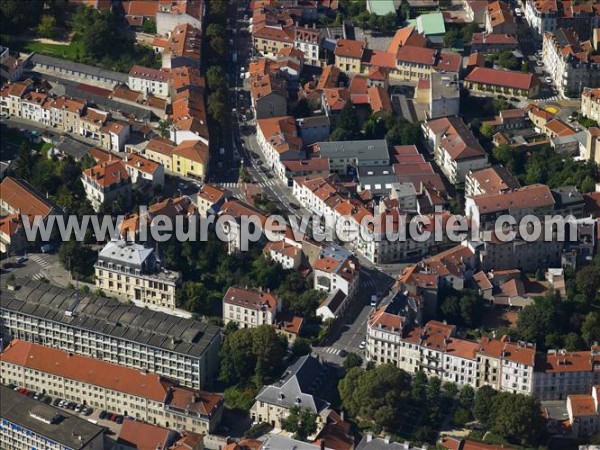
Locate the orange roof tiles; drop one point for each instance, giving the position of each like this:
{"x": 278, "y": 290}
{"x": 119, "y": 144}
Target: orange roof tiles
{"x": 108, "y": 173}
{"x": 560, "y": 128}
{"x": 566, "y": 362}
{"x": 406, "y": 36}
{"x": 532, "y": 196}
{"x": 86, "y": 370}
{"x": 251, "y": 298}
{"x": 141, "y": 8}
{"x": 212, "y": 193}
{"x": 494, "y": 180}
{"x": 23, "y": 197}
{"x": 504, "y": 78}
{"x": 9, "y": 225}
{"x": 185, "y": 41}
{"x": 190, "y": 400}
{"x": 521, "y": 354}
{"x": 462, "y": 348}
{"x": 329, "y": 77}
{"x": 281, "y": 133}
{"x": 379, "y": 99}
{"x": 143, "y": 436}
{"x": 582, "y": 405}
{"x": 140, "y": 163}
{"x": 457, "y": 139}
{"x": 274, "y": 33}
{"x": 148, "y": 73}
{"x": 347, "y": 48}
{"x": 416, "y": 55}
{"x": 196, "y": 151}
{"x": 160, "y": 145}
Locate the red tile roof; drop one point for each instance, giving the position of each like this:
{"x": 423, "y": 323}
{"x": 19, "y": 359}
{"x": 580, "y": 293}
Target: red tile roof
{"x": 416, "y": 55}
{"x": 251, "y": 298}
{"x": 504, "y": 78}
{"x": 86, "y": 370}
{"x": 23, "y": 197}
{"x": 143, "y": 436}
{"x": 532, "y": 196}
{"x": 349, "y": 49}
{"x": 108, "y": 173}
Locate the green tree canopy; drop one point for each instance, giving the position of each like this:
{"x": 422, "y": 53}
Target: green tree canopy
{"x": 301, "y": 422}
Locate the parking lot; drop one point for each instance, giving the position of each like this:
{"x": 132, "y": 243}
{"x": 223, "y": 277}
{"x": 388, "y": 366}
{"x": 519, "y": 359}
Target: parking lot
{"x": 111, "y": 422}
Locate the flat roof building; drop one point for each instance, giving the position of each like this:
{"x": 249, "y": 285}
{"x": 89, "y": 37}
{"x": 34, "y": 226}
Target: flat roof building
{"x": 26, "y": 423}
{"x": 182, "y": 349}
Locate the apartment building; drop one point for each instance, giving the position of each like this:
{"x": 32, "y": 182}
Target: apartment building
{"x": 570, "y": 61}
{"x": 559, "y": 373}
{"x": 19, "y": 197}
{"x": 336, "y": 268}
{"x": 541, "y": 15}
{"x": 348, "y": 55}
{"x": 493, "y": 42}
{"x": 133, "y": 272}
{"x": 278, "y": 139}
{"x": 182, "y": 349}
{"x": 268, "y": 40}
{"x": 11, "y": 95}
{"x": 590, "y": 103}
{"x": 210, "y": 198}
{"x": 26, "y": 423}
{"x": 191, "y": 159}
{"x": 32, "y": 106}
{"x": 499, "y": 18}
{"x": 308, "y": 41}
{"x": 106, "y": 386}
{"x": 414, "y": 63}
{"x": 345, "y": 156}
{"x": 300, "y": 386}
{"x": 484, "y": 209}
{"x": 269, "y": 95}
{"x": 250, "y": 308}
{"x": 105, "y": 182}
{"x": 160, "y": 150}
{"x": 491, "y": 180}
{"x": 173, "y": 14}
{"x": 149, "y": 81}
{"x": 285, "y": 252}
{"x": 183, "y": 48}
{"x": 507, "y": 82}
{"x": 456, "y": 150}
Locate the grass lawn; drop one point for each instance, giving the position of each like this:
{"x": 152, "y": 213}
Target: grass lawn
{"x": 66, "y": 51}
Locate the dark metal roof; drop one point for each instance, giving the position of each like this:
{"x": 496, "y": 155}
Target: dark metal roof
{"x": 111, "y": 317}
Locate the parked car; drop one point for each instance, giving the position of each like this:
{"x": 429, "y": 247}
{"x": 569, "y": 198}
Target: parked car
{"x": 119, "y": 420}
{"x": 21, "y": 260}
{"x": 56, "y": 402}
{"x": 548, "y": 80}
{"x": 77, "y": 408}
{"x": 363, "y": 345}
{"x": 113, "y": 417}
{"x": 102, "y": 414}
{"x": 62, "y": 403}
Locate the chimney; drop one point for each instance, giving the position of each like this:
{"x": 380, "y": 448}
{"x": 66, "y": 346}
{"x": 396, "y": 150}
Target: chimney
{"x": 369, "y": 437}
{"x": 322, "y": 444}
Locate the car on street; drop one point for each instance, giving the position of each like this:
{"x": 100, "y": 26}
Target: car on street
{"x": 548, "y": 80}
{"x": 21, "y": 260}
{"x": 363, "y": 345}
{"x": 102, "y": 414}
{"x": 119, "y": 420}
{"x": 343, "y": 353}
{"x": 539, "y": 63}
{"x": 56, "y": 402}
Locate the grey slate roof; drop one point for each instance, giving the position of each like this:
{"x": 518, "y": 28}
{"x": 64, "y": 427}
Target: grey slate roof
{"x": 368, "y": 442}
{"x": 65, "y": 429}
{"x": 73, "y": 148}
{"x": 276, "y": 442}
{"x": 361, "y": 150}
{"x": 298, "y": 386}
{"x": 111, "y": 317}
{"x": 77, "y": 67}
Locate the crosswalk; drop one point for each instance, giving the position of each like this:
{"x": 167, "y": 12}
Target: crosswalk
{"x": 40, "y": 276}
{"x": 332, "y": 351}
{"x": 236, "y": 185}
{"x": 368, "y": 283}
{"x": 39, "y": 261}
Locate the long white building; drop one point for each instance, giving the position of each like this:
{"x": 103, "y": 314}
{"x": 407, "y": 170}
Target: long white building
{"x": 182, "y": 349}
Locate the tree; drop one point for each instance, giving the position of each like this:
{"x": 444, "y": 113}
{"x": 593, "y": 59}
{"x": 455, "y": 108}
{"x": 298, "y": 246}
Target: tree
{"x": 216, "y": 107}
{"x": 538, "y": 320}
{"x": 215, "y": 30}
{"x": 434, "y": 385}
{"x": 461, "y": 416}
{"x": 302, "y": 423}
{"x": 302, "y": 109}
{"x": 78, "y": 259}
{"x": 419, "y": 386}
{"x": 466, "y": 397}
{"x": 449, "y": 389}
{"x": 17, "y": 15}
{"x": 215, "y": 78}
{"x": 149, "y": 26}
{"x": 377, "y": 395}
{"x": 47, "y": 27}
{"x": 164, "y": 127}
{"x": 484, "y": 403}
{"x": 301, "y": 347}
{"x": 193, "y": 297}
{"x": 517, "y": 417}
{"x": 590, "y": 328}
{"x": 404, "y": 133}
{"x": 25, "y": 161}
{"x": 352, "y": 360}
{"x": 450, "y": 37}
{"x": 507, "y": 60}
{"x": 487, "y": 130}
{"x": 348, "y": 122}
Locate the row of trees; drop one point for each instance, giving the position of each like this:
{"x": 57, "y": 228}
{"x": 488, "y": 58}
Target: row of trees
{"x": 104, "y": 43}
{"x": 386, "y": 398}
{"x": 396, "y": 130}
{"x": 547, "y": 166}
